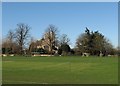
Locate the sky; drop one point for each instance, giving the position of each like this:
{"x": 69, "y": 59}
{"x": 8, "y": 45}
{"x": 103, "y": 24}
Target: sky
{"x": 70, "y": 18}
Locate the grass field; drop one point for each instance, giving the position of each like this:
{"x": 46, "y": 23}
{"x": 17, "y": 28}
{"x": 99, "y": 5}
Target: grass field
{"x": 60, "y": 70}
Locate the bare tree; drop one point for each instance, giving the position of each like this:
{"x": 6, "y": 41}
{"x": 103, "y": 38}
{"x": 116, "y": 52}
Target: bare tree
{"x": 22, "y": 34}
{"x": 50, "y": 37}
{"x": 8, "y": 42}
{"x": 64, "y": 39}
{"x": 10, "y": 38}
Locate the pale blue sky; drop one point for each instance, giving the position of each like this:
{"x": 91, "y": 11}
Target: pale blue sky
{"x": 70, "y": 18}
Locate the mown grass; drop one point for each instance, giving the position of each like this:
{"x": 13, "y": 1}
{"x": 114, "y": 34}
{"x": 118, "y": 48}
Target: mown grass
{"x": 60, "y": 70}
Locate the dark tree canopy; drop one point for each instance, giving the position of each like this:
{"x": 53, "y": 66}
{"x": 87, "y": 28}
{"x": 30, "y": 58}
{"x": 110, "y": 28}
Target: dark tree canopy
{"x": 64, "y": 49}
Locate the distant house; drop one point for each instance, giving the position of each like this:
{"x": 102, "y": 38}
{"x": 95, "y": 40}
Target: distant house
{"x": 43, "y": 44}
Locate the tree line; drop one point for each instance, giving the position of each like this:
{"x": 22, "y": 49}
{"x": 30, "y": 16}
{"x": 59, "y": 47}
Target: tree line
{"x": 20, "y": 42}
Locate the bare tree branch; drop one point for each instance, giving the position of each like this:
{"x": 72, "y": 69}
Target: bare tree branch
{"x": 22, "y": 34}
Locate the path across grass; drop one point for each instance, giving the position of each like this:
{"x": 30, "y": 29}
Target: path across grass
{"x": 60, "y": 70}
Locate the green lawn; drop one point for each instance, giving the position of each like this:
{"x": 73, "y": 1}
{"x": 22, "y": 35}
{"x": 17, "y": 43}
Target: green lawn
{"x": 60, "y": 70}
